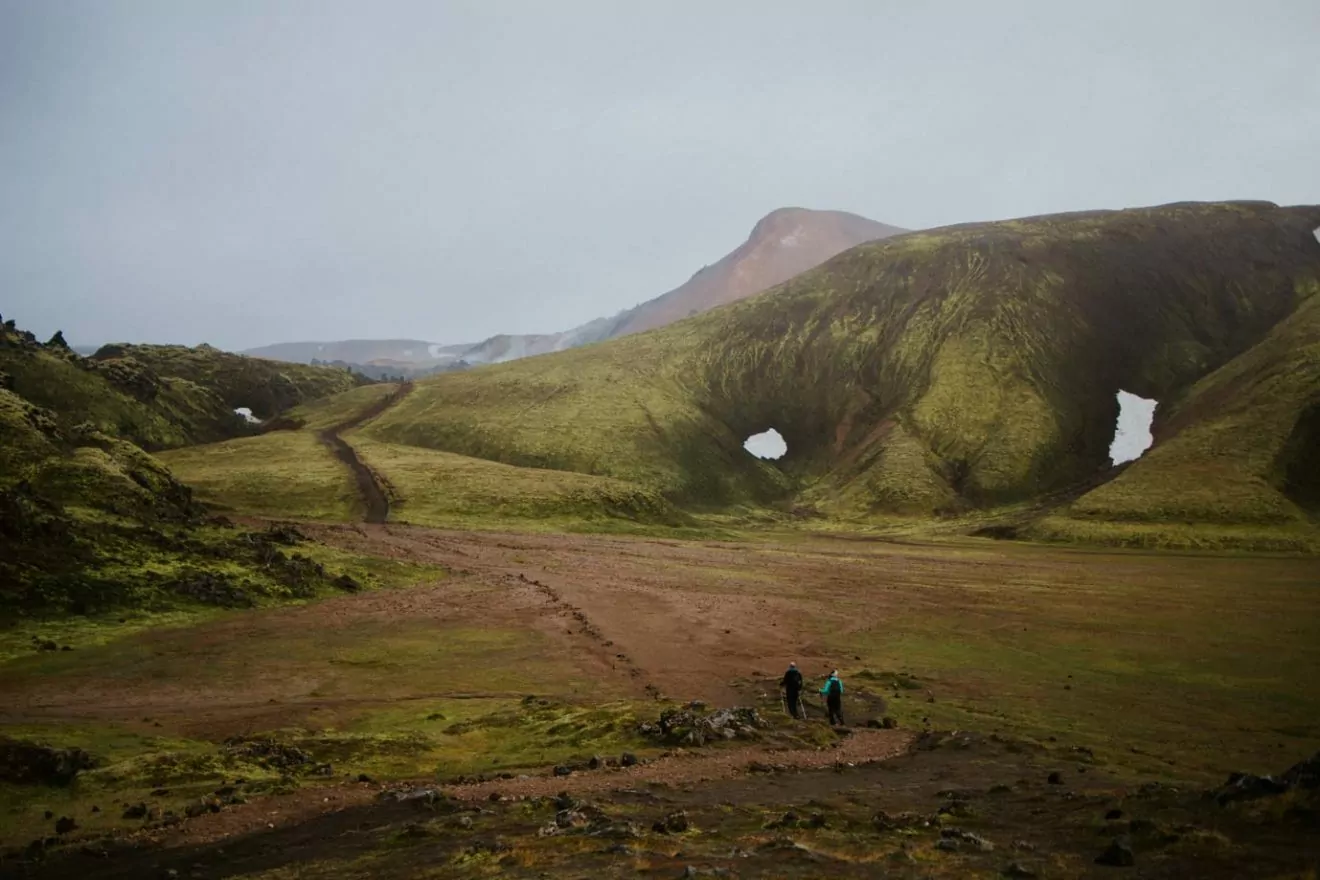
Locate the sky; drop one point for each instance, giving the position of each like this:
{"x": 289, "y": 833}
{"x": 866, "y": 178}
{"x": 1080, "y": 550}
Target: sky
{"x": 254, "y": 171}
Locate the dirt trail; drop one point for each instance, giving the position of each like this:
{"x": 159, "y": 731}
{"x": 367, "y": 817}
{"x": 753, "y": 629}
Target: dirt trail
{"x": 685, "y": 767}
{"x": 374, "y": 494}
{"x": 861, "y": 747}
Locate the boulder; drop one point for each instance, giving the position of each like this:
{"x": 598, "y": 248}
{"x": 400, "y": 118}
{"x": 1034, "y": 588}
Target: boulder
{"x": 1247, "y": 786}
{"x": 1305, "y": 774}
{"x": 676, "y": 822}
{"x": 1117, "y": 855}
{"x": 26, "y": 763}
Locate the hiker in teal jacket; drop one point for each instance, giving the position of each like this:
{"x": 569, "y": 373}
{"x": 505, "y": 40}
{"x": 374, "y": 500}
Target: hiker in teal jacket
{"x": 833, "y": 693}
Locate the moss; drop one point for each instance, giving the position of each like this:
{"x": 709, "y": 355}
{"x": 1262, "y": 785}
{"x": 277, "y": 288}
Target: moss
{"x": 972, "y": 366}
{"x": 280, "y": 474}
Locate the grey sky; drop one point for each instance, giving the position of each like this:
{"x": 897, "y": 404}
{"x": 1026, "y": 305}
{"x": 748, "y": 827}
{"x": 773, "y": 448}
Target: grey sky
{"x": 250, "y": 172}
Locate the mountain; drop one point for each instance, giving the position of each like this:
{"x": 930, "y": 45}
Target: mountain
{"x": 784, "y": 243}
{"x": 968, "y": 368}
{"x": 360, "y": 351}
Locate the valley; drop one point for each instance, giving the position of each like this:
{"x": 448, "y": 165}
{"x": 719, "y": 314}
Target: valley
{"x": 531, "y": 617}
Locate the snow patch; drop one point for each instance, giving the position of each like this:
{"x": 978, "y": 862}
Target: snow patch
{"x": 767, "y": 444}
{"x": 247, "y": 415}
{"x": 1132, "y": 434}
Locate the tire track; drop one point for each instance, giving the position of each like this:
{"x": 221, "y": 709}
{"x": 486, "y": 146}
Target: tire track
{"x": 371, "y": 488}
{"x": 564, "y": 608}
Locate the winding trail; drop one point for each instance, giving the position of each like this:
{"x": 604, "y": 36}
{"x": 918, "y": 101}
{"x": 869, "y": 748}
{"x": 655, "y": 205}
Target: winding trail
{"x": 374, "y": 494}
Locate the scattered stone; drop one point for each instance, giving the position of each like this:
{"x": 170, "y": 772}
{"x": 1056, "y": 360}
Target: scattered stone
{"x": 1017, "y": 869}
{"x": 676, "y": 822}
{"x": 1024, "y": 846}
{"x": 595, "y": 763}
{"x": 268, "y": 753}
{"x": 95, "y": 809}
{"x": 363, "y": 777}
{"x": 687, "y": 727}
{"x": 627, "y": 759}
{"x": 956, "y": 840}
{"x": 563, "y": 770}
{"x": 875, "y": 724}
{"x": 1113, "y": 815}
{"x": 347, "y": 583}
{"x": 1118, "y": 855}
{"x": 464, "y": 822}
{"x": 202, "y": 807}
{"x": 1055, "y": 778}
{"x": 64, "y": 825}
{"x": 889, "y": 723}
{"x": 1001, "y": 788}
{"x": 50, "y": 814}
{"x": 136, "y": 811}
{"x": 883, "y": 821}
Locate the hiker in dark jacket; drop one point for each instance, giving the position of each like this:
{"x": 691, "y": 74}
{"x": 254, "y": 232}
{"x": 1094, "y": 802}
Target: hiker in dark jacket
{"x": 792, "y": 687}
{"x": 833, "y": 693}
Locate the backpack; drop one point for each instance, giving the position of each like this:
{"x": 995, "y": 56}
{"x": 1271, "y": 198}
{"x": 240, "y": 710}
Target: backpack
{"x": 833, "y": 687}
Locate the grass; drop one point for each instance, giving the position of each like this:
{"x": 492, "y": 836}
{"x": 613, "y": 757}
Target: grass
{"x": 266, "y": 387}
{"x": 280, "y": 474}
{"x": 442, "y": 489}
{"x": 327, "y": 412}
{"x": 968, "y": 367}
{"x": 1134, "y": 656}
{"x": 1235, "y": 450}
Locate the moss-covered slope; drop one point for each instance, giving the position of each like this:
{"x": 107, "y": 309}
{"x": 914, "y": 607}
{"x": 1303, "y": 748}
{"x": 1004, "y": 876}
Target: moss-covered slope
{"x": 266, "y": 387}
{"x": 88, "y": 519}
{"x": 965, "y": 367}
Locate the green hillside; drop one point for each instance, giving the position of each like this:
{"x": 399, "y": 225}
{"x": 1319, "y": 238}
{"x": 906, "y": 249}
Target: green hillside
{"x": 263, "y": 386}
{"x": 89, "y": 520}
{"x": 928, "y": 374}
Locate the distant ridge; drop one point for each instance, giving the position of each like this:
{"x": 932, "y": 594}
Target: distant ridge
{"x": 784, "y": 243}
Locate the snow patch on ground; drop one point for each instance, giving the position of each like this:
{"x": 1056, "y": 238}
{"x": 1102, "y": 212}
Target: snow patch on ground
{"x": 247, "y": 415}
{"x": 1132, "y": 435}
{"x": 768, "y": 444}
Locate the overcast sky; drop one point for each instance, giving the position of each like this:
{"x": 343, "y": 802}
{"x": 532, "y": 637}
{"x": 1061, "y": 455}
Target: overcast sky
{"x": 250, "y": 172}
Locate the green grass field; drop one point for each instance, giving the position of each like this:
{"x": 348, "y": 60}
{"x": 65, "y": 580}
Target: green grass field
{"x": 280, "y": 474}
{"x": 336, "y": 409}
{"x": 442, "y": 489}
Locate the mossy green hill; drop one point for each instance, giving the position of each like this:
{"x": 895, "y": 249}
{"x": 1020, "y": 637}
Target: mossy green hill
{"x": 943, "y": 371}
{"x": 88, "y": 519}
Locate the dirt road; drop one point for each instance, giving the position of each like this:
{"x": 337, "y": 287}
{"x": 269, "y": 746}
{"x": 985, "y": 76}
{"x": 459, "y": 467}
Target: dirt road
{"x": 374, "y": 494}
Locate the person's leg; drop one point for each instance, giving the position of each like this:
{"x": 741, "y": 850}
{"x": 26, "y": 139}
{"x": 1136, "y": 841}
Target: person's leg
{"x": 794, "y": 708}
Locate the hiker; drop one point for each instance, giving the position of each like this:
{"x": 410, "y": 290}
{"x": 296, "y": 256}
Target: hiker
{"x": 833, "y": 693}
{"x": 791, "y": 685}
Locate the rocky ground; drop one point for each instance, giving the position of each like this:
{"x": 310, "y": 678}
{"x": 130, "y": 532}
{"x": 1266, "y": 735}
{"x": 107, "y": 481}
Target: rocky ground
{"x": 930, "y": 805}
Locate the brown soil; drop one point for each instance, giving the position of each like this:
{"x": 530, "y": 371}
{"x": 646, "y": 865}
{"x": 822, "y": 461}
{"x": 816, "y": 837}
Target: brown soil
{"x": 375, "y": 495}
